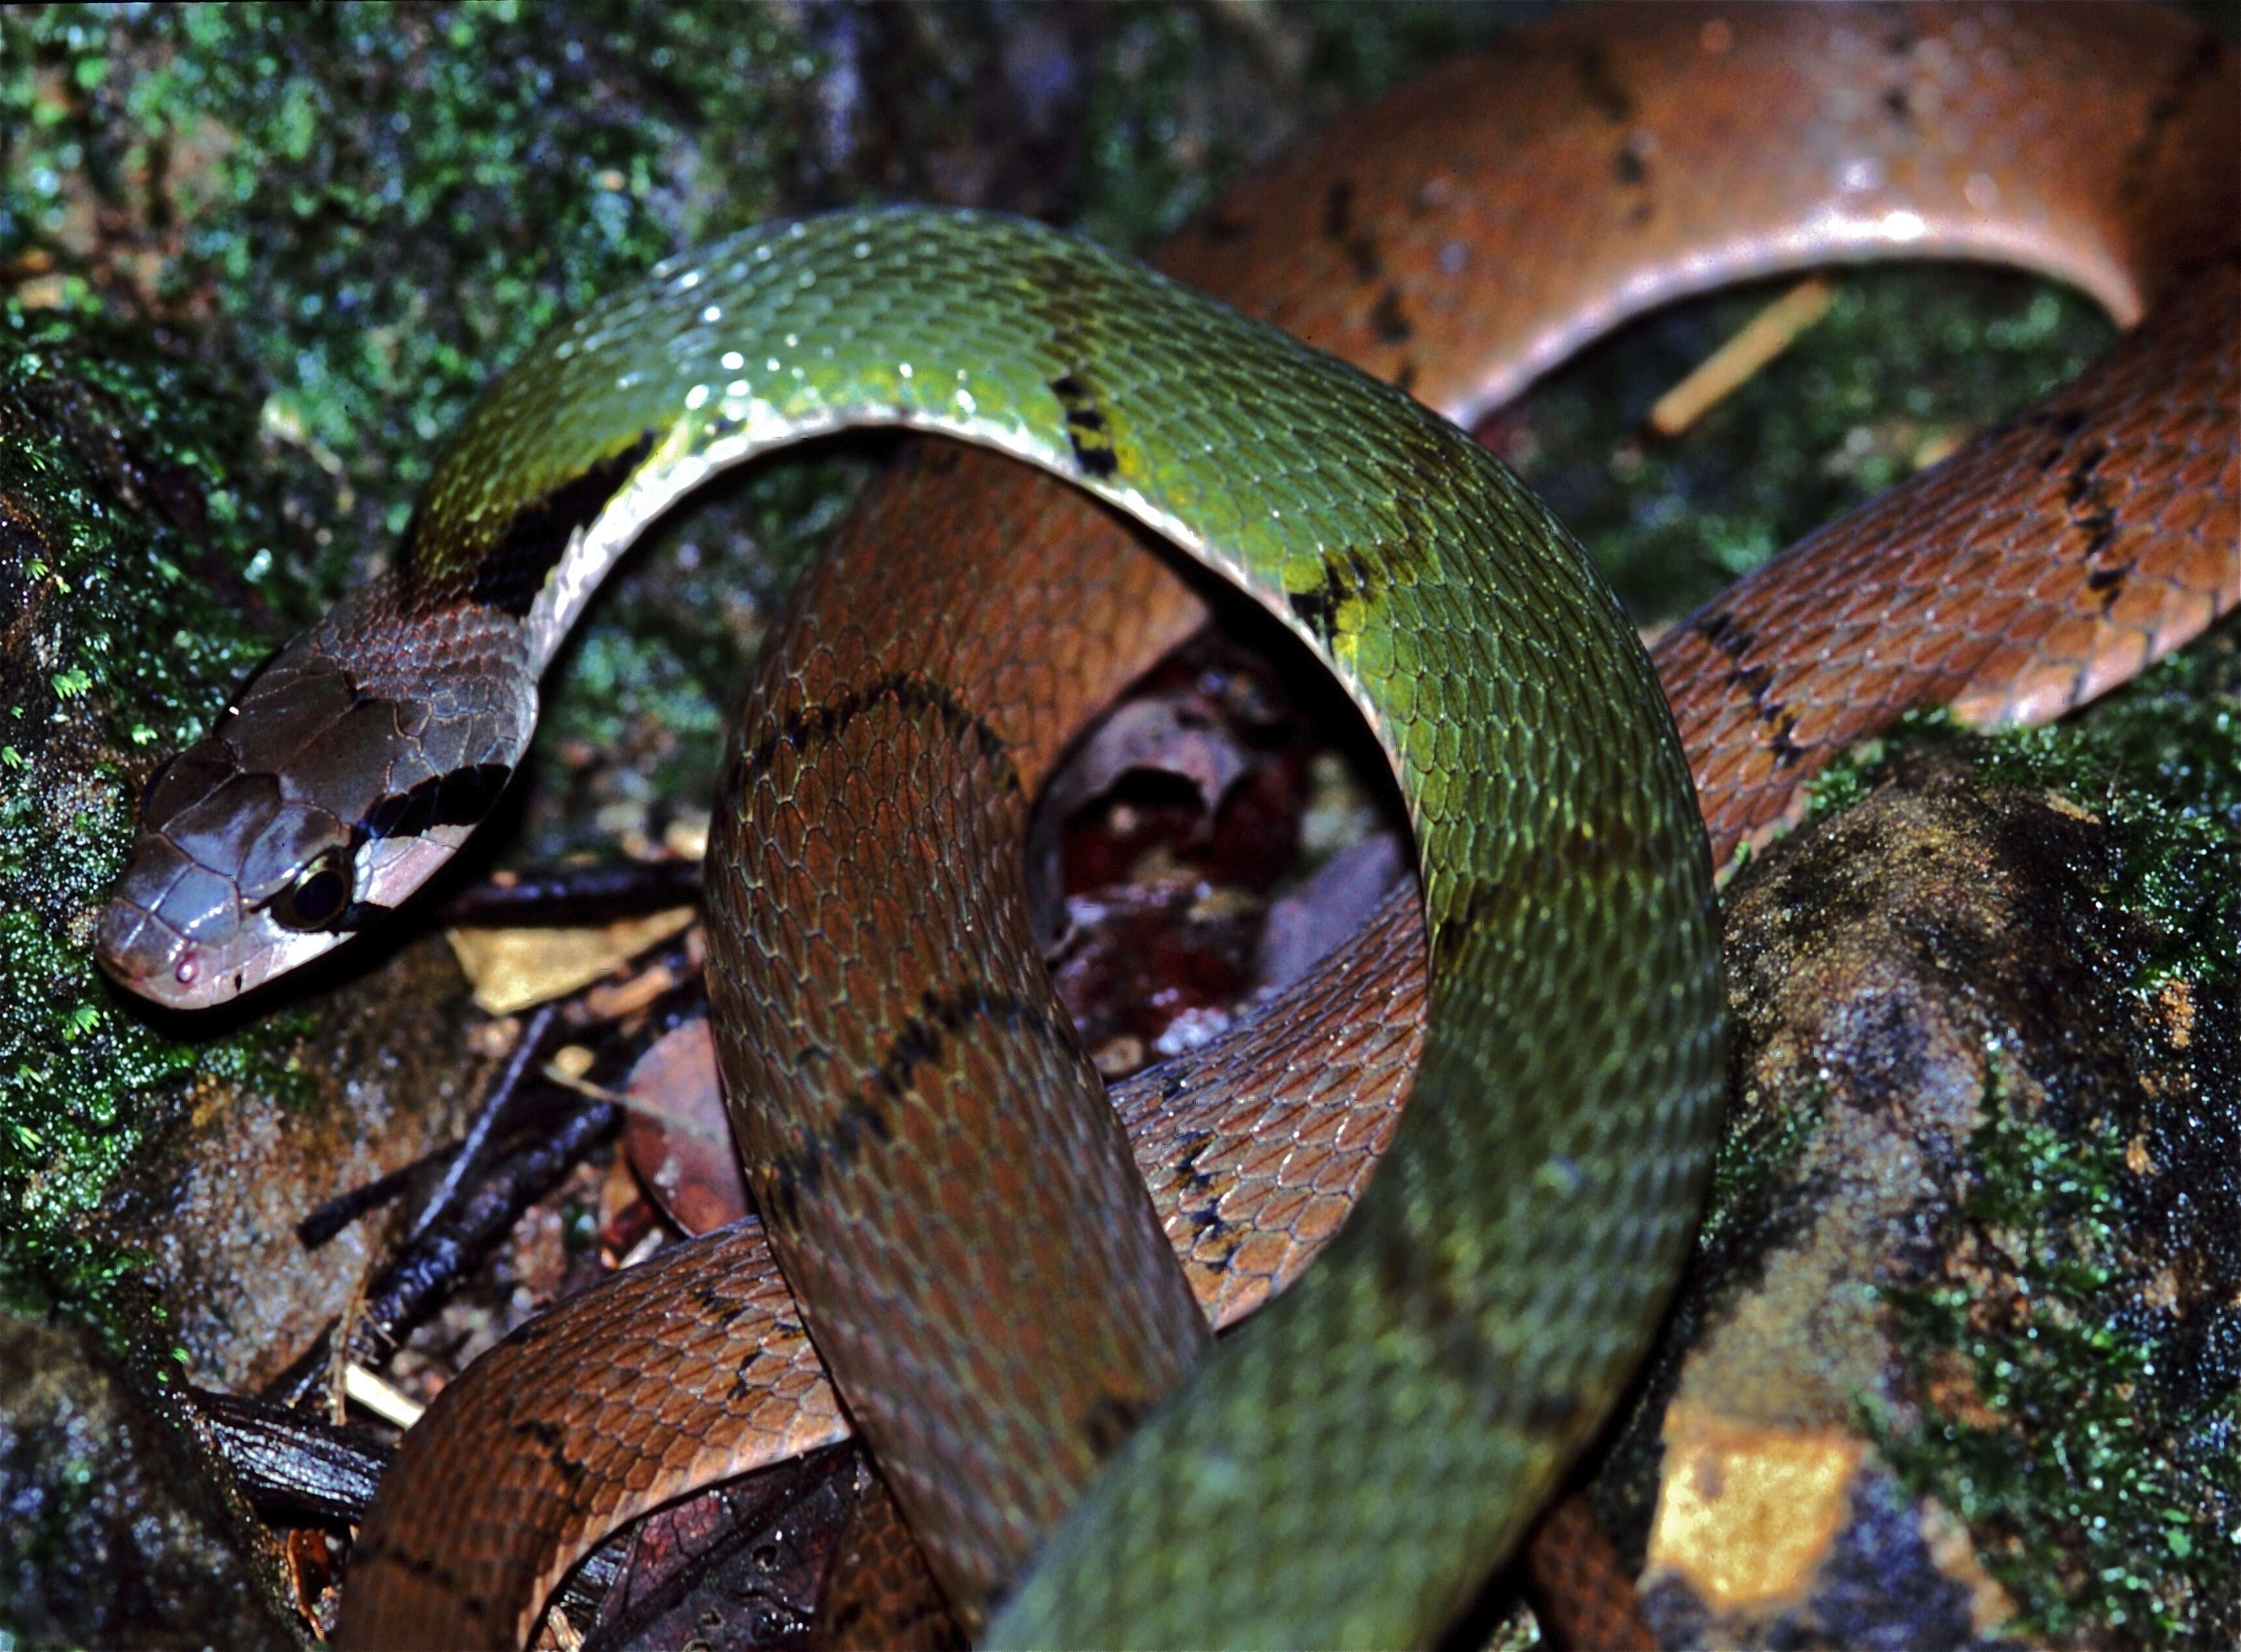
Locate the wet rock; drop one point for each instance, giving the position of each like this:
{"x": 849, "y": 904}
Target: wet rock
{"x": 1958, "y": 1366}
{"x": 116, "y": 1533}
{"x": 214, "y": 1200}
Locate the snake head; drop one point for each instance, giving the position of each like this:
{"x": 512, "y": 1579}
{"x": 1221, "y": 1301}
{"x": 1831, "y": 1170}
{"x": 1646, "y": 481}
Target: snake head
{"x": 349, "y": 768}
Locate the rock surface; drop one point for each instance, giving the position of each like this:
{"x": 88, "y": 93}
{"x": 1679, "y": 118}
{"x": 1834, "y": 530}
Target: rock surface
{"x": 1957, "y": 1367}
{"x": 117, "y": 1533}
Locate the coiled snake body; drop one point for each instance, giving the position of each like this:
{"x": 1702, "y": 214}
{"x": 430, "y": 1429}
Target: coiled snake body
{"x": 1356, "y": 1459}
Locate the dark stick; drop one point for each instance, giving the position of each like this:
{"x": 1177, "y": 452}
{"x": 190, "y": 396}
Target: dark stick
{"x": 293, "y": 1465}
{"x": 345, "y": 1208}
{"x": 526, "y": 1049}
{"x": 431, "y": 1263}
{"x": 543, "y": 897}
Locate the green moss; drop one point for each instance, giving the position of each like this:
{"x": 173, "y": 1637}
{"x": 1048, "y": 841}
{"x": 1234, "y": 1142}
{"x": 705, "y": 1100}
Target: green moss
{"x": 387, "y": 202}
{"x": 129, "y": 620}
{"x": 1136, "y": 186}
{"x": 2159, "y": 760}
{"x": 1757, "y": 1155}
{"x": 2104, "y": 1505}
{"x": 370, "y": 209}
{"x": 1149, "y": 161}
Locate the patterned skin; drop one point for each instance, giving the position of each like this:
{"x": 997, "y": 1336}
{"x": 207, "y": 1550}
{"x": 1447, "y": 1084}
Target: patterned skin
{"x": 910, "y": 1100}
{"x": 2042, "y": 562}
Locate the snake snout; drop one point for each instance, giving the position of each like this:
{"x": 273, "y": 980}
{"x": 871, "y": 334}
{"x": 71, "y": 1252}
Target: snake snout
{"x": 165, "y": 932}
{"x": 184, "y": 935}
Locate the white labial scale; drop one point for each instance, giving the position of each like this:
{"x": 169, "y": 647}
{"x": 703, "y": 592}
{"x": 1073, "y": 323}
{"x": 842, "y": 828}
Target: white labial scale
{"x": 390, "y": 869}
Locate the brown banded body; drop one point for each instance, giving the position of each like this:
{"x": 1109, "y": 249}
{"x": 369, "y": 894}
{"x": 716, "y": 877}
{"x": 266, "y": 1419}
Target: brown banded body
{"x": 2034, "y": 566}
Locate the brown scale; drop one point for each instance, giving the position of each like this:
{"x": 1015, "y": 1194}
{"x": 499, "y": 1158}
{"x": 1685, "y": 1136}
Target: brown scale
{"x": 2041, "y": 562}
{"x": 875, "y": 843}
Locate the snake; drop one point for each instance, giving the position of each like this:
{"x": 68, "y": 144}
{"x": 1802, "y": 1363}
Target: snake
{"x": 1352, "y": 1460}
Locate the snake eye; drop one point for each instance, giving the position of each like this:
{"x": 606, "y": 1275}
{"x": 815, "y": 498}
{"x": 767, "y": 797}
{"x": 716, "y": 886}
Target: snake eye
{"x": 318, "y": 896}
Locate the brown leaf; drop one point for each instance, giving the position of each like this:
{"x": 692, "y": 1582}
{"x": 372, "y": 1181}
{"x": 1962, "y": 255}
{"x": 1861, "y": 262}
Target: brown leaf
{"x": 740, "y": 1566}
{"x": 676, "y": 1135}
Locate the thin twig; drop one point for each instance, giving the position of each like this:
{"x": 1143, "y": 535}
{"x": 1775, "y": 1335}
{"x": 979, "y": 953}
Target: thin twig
{"x": 518, "y": 1065}
{"x": 1765, "y": 336}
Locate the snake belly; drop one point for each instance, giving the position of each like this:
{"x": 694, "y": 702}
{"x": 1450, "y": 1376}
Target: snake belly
{"x": 1604, "y": 119}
